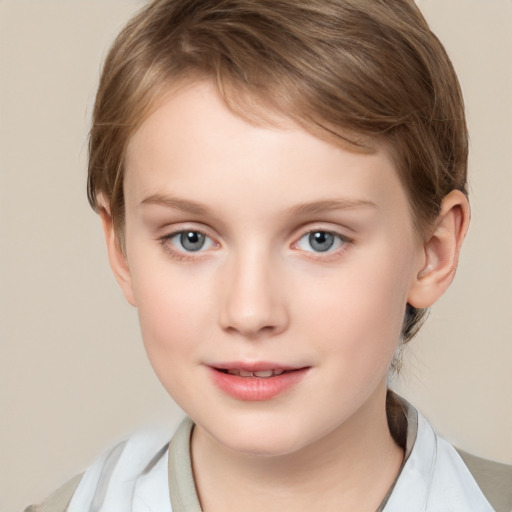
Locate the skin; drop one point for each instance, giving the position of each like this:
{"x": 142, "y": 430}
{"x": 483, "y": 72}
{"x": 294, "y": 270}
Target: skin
{"x": 258, "y": 290}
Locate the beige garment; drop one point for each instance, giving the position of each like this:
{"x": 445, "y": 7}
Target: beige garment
{"x": 59, "y": 500}
{"x": 494, "y": 479}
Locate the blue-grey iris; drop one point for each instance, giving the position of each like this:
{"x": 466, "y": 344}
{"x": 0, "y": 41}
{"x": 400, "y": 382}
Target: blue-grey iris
{"x": 321, "y": 241}
{"x": 192, "y": 240}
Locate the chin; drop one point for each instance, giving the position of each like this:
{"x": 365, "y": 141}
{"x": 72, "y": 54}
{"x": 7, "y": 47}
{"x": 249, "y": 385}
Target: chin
{"x": 260, "y": 437}
{"x": 262, "y": 446}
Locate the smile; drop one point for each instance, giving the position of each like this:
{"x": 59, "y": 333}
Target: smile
{"x": 255, "y": 382}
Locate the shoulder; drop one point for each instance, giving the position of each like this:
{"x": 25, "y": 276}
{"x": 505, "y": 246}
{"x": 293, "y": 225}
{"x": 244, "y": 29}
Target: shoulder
{"x": 59, "y": 500}
{"x": 493, "y": 478}
{"x": 436, "y": 472}
{"x": 435, "y": 478}
{"x": 132, "y": 475}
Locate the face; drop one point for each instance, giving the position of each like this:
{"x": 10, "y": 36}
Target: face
{"x": 270, "y": 270}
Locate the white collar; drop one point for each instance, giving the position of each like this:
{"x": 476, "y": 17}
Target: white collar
{"x": 144, "y": 474}
{"x": 435, "y": 479}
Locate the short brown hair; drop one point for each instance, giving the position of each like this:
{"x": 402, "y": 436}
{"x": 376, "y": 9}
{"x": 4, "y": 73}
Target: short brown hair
{"x": 350, "y": 70}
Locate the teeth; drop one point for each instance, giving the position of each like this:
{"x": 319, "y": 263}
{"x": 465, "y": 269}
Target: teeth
{"x": 263, "y": 374}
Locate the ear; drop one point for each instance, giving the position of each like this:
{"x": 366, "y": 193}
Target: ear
{"x": 441, "y": 252}
{"x": 116, "y": 254}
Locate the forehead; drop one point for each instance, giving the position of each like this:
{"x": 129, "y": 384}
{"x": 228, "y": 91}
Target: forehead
{"x": 192, "y": 144}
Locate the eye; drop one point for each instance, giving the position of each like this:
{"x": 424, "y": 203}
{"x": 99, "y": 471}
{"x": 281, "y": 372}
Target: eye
{"x": 320, "y": 241}
{"x": 190, "y": 241}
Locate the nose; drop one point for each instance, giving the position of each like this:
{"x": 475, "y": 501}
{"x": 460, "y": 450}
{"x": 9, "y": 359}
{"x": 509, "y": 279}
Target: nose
{"x": 254, "y": 298}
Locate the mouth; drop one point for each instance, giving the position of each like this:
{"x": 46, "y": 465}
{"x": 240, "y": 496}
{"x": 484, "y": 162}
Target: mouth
{"x": 262, "y": 374}
{"x": 256, "y": 382}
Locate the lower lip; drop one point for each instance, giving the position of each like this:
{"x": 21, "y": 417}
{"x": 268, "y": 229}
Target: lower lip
{"x": 254, "y": 388}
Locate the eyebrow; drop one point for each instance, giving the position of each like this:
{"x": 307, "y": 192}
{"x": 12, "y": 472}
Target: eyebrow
{"x": 316, "y": 207}
{"x": 308, "y": 208}
{"x": 175, "y": 203}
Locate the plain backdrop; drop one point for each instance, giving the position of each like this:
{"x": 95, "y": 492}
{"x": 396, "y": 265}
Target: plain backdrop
{"x": 73, "y": 373}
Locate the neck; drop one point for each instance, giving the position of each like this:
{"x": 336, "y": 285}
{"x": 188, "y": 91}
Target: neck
{"x": 351, "y": 468}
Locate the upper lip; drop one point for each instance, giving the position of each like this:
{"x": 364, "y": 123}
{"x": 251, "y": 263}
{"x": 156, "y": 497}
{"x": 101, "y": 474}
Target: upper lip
{"x": 257, "y": 366}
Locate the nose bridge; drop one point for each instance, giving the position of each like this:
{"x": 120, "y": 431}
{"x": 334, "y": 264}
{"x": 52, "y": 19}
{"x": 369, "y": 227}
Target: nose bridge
{"x": 253, "y": 300}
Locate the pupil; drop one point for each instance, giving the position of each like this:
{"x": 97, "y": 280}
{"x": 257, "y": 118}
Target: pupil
{"x": 321, "y": 241}
{"x": 192, "y": 240}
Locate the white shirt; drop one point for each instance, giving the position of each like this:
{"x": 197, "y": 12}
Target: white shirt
{"x": 148, "y": 474}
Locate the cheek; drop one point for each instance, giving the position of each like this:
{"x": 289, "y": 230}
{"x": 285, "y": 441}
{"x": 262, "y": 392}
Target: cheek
{"x": 359, "y": 310}
{"x": 173, "y": 313}
{"x": 171, "y": 328}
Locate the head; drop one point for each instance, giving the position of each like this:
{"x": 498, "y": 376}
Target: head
{"x": 289, "y": 171}
{"x": 353, "y": 72}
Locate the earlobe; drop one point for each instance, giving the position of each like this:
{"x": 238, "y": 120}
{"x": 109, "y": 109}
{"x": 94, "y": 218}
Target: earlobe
{"x": 441, "y": 252}
{"x": 116, "y": 255}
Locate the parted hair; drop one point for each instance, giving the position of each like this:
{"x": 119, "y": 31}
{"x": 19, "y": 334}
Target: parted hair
{"x": 352, "y": 71}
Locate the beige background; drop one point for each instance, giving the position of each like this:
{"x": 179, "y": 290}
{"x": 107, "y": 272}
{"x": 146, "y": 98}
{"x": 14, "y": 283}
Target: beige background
{"x": 73, "y": 374}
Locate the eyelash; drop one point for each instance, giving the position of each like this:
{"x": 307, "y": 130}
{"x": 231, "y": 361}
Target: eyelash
{"x": 184, "y": 255}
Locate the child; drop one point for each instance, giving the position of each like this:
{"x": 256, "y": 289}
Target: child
{"x": 282, "y": 187}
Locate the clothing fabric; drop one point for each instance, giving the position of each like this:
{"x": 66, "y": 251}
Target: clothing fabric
{"x": 493, "y": 478}
{"x": 146, "y": 473}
